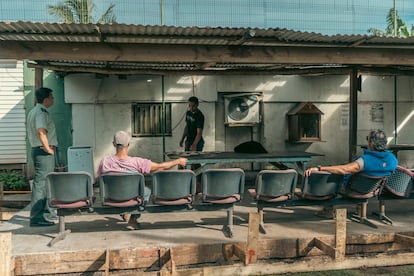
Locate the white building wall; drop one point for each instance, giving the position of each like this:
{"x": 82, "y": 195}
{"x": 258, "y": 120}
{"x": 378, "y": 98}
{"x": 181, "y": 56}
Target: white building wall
{"x": 103, "y": 106}
{"x": 12, "y": 113}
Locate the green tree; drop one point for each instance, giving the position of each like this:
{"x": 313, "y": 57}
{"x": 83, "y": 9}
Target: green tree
{"x": 402, "y": 29}
{"x": 80, "y": 11}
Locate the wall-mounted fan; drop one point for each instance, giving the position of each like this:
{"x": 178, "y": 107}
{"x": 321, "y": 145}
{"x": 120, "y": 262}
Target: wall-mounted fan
{"x": 243, "y": 109}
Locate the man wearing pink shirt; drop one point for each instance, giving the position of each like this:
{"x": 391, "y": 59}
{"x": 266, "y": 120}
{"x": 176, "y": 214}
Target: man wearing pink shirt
{"x": 121, "y": 162}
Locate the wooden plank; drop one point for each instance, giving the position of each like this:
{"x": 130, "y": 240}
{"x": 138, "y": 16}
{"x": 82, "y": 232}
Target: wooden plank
{"x": 227, "y": 250}
{"x": 325, "y": 247}
{"x": 107, "y": 262}
{"x": 251, "y": 252}
{"x": 370, "y": 238}
{"x": 66, "y": 262}
{"x": 186, "y": 255}
{"x": 128, "y": 258}
{"x": 340, "y": 234}
{"x": 307, "y": 265}
{"x": 134, "y": 52}
{"x": 407, "y": 240}
{"x": 5, "y": 253}
{"x": 240, "y": 252}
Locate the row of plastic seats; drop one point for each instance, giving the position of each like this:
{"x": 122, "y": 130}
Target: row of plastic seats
{"x": 126, "y": 192}
{"x": 273, "y": 188}
{"x": 278, "y": 188}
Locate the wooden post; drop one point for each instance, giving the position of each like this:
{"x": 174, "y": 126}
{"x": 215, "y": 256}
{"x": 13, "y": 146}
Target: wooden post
{"x": 340, "y": 234}
{"x": 106, "y": 262}
{"x": 5, "y": 253}
{"x": 252, "y": 238}
{"x": 1, "y": 190}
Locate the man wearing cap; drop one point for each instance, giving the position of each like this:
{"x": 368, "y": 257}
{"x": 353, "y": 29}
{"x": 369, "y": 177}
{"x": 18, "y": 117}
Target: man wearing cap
{"x": 375, "y": 161}
{"x": 41, "y": 133}
{"x": 121, "y": 162}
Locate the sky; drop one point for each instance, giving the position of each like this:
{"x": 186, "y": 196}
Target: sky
{"x": 329, "y": 17}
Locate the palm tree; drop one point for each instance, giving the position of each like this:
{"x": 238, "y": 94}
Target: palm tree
{"x": 401, "y": 29}
{"x": 80, "y": 11}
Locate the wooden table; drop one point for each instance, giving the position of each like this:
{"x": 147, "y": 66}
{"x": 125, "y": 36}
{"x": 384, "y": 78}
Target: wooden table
{"x": 208, "y": 159}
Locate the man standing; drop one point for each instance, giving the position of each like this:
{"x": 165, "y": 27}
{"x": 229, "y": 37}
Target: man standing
{"x": 193, "y": 131}
{"x": 121, "y": 162}
{"x": 42, "y": 138}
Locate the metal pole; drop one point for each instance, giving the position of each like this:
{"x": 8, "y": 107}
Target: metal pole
{"x": 163, "y": 121}
{"x": 395, "y": 18}
{"x": 395, "y": 111}
{"x": 162, "y": 11}
{"x": 353, "y": 113}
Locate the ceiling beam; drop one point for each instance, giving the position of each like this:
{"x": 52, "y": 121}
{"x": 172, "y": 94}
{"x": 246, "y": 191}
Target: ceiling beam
{"x": 204, "y": 54}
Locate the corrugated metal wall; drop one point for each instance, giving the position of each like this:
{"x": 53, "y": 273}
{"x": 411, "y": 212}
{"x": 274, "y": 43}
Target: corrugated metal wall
{"x": 12, "y": 113}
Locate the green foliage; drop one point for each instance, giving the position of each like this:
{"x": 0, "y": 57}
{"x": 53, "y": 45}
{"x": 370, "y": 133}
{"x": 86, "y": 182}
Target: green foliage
{"x": 13, "y": 180}
{"x": 80, "y": 11}
{"x": 400, "y": 29}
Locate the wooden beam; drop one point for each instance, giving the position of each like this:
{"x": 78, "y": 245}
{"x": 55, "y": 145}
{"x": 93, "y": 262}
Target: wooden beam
{"x": 407, "y": 240}
{"x": 325, "y": 247}
{"x": 106, "y": 265}
{"x": 5, "y": 253}
{"x": 252, "y": 238}
{"x": 271, "y": 252}
{"x": 37, "y": 50}
{"x": 340, "y": 234}
{"x": 306, "y": 265}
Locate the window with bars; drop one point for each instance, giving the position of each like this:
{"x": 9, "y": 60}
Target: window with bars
{"x": 147, "y": 119}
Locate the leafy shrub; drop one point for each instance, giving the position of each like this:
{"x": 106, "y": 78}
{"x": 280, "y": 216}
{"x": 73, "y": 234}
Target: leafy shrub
{"x": 13, "y": 180}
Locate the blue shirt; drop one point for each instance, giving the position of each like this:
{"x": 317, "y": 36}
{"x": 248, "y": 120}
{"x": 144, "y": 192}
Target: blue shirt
{"x": 378, "y": 163}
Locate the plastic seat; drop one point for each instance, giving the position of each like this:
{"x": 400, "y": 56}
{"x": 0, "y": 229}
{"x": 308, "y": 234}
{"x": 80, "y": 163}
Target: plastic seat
{"x": 68, "y": 190}
{"x": 361, "y": 186}
{"x": 223, "y": 188}
{"x": 399, "y": 185}
{"x": 321, "y": 186}
{"x": 273, "y": 189}
{"x": 173, "y": 187}
{"x": 122, "y": 190}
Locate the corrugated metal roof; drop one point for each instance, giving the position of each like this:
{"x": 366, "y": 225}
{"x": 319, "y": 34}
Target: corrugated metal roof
{"x": 121, "y": 33}
{"x": 112, "y": 34}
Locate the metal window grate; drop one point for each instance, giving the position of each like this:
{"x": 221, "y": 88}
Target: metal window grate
{"x": 147, "y": 119}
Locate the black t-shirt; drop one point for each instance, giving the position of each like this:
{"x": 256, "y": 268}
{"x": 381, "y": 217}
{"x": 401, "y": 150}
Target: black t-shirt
{"x": 194, "y": 121}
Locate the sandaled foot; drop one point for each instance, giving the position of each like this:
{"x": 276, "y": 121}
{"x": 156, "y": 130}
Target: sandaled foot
{"x": 133, "y": 224}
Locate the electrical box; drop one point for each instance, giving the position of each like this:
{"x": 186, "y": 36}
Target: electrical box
{"x": 80, "y": 158}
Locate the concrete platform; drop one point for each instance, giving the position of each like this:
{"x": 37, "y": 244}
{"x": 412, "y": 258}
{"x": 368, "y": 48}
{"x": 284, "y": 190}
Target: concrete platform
{"x": 167, "y": 230}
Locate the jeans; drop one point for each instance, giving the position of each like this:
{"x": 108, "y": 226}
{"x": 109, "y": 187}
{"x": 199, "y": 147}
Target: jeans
{"x": 200, "y": 144}
{"x": 44, "y": 163}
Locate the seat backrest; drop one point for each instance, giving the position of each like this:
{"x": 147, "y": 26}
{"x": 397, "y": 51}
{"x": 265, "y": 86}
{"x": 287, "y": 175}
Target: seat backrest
{"x": 121, "y": 186}
{"x": 69, "y": 186}
{"x": 321, "y": 185}
{"x": 399, "y": 183}
{"x": 364, "y": 184}
{"x": 274, "y": 183}
{"x": 223, "y": 182}
{"x": 173, "y": 184}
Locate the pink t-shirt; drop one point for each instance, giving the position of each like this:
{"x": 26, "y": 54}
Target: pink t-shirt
{"x": 112, "y": 164}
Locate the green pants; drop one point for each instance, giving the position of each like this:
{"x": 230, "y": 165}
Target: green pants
{"x": 44, "y": 163}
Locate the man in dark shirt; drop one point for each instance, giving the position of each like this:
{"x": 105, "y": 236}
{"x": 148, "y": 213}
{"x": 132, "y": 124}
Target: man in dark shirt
{"x": 193, "y": 131}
